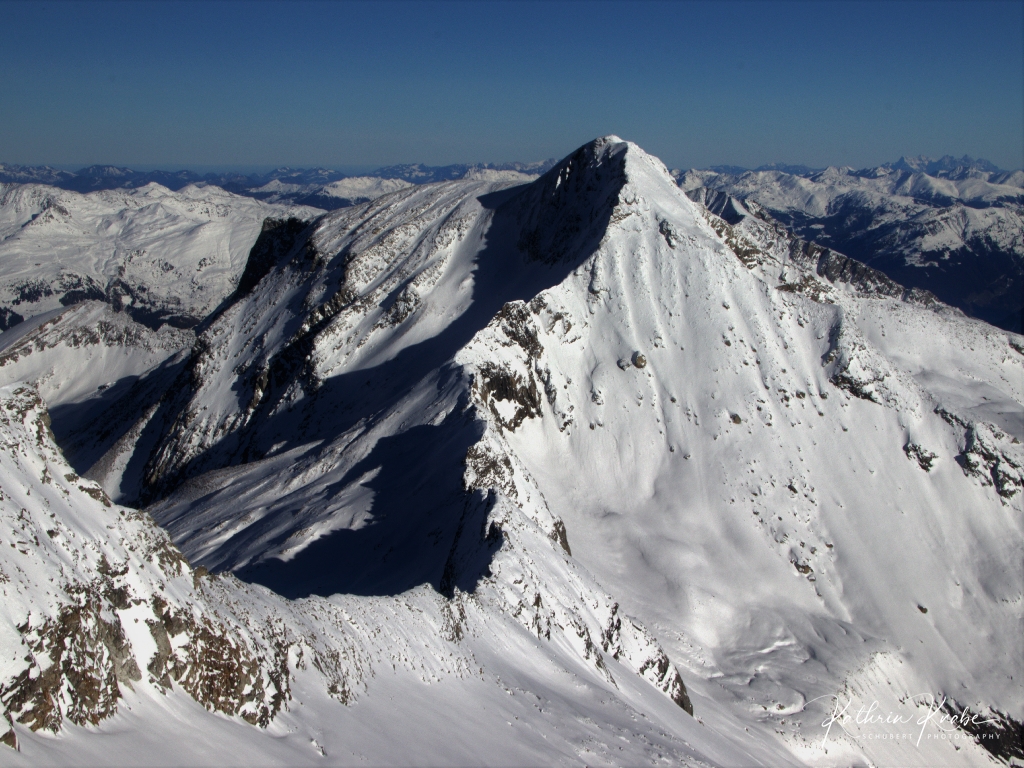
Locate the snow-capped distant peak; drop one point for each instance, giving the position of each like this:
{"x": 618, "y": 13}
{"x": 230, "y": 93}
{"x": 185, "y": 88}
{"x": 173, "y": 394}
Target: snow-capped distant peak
{"x": 363, "y": 187}
{"x": 278, "y": 186}
{"x": 947, "y": 226}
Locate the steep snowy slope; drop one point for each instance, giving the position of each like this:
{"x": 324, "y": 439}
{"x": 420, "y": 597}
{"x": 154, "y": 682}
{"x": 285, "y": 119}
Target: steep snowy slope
{"x": 162, "y": 256}
{"x": 794, "y": 470}
{"x": 116, "y": 652}
{"x": 960, "y": 238}
{"x": 102, "y": 375}
{"x": 470, "y": 410}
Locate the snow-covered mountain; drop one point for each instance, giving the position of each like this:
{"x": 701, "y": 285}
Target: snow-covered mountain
{"x": 336, "y": 194}
{"x": 33, "y": 174}
{"x": 958, "y": 234}
{"x": 520, "y": 473}
{"x": 418, "y": 173}
{"x": 947, "y": 166}
{"x": 165, "y": 257}
{"x": 318, "y": 187}
{"x": 362, "y": 189}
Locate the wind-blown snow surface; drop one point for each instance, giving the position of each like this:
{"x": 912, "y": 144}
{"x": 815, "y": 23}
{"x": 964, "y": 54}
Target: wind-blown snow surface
{"x": 805, "y": 491}
{"x": 164, "y": 256}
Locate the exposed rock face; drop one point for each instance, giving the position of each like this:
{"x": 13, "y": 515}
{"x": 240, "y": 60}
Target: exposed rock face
{"x": 78, "y": 660}
{"x": 564, "y": 214}
{"x": 77, "y": 648}
{"x": 922, "y": 456}
{"x": 993, "y": 457}
{"x": 277, "y": 238}
{"x": 497, "y": 384}
{"x": 216, "y": 669}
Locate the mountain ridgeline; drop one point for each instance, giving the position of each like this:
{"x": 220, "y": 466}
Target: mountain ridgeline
{"x": 951, "y": 227}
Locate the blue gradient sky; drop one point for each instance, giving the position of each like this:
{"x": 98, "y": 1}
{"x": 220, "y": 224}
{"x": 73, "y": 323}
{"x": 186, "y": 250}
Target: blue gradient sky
{"x": 348, "y": 84}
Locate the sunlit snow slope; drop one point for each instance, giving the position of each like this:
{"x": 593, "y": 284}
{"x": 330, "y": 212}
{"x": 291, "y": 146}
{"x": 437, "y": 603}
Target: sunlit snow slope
{"x": 163, "y": 256}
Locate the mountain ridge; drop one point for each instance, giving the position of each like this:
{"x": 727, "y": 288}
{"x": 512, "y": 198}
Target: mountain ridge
{"x": 960, "y": 237}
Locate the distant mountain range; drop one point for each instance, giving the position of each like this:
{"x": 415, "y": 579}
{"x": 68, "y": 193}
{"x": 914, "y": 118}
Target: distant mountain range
{"x": 946, "y": 167}
{"x": 97, "y": 177}
{"x": 954, "y": 227}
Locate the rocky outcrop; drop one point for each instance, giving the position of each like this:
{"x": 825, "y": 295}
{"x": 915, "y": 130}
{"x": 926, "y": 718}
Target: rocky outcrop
{"x": 565, "y": 212}
{"x": 81, "y": 576}
{"x": 988, "y": 454}
{"x": 276, "y": 240}
{"x": 215, "y": 668}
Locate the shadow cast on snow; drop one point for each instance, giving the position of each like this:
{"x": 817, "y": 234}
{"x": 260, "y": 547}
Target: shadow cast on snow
{"x": 420, "y": 509}
{"x": 424, "y": 527}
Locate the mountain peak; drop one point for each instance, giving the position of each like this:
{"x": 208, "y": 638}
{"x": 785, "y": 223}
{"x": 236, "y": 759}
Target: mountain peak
{"x": 395, "y": 408}
{"x": 612, "y": 148}
{"x": 577, "y": 195}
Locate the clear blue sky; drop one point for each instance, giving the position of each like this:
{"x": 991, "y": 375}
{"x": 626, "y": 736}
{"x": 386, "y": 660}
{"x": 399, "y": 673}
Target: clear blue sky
{"x": 183, "y": 85}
